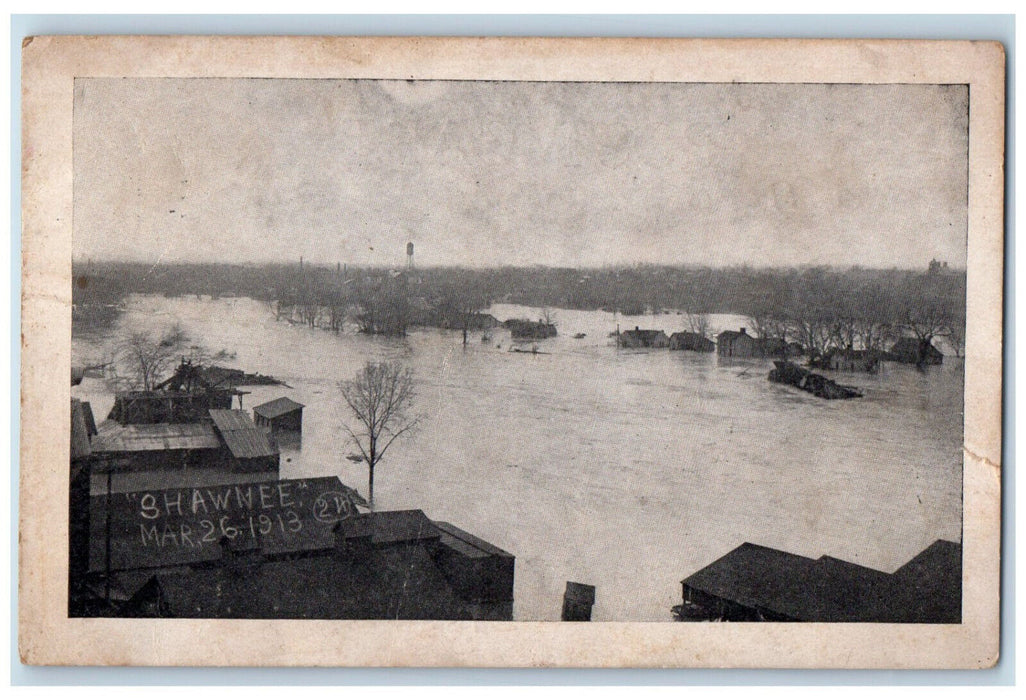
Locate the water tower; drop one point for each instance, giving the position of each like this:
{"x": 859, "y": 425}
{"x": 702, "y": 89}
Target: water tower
{"x": 409, "y": 255}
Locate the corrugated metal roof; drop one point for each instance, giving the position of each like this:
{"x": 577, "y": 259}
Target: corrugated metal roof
{"x": 142, "y": 437}
{"x": 278, "y": 407}
{"x": 240, "y": 434}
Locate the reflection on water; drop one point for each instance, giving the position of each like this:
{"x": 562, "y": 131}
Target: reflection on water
{"x": 626, "y": 469}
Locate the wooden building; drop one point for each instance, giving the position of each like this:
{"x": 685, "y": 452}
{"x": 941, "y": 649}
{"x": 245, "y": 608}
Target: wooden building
{"x": 250, "y": 447}
{"x": 912, "y": 351}
{"x": 282, "y": 414}
{"x": 754, "y": 583}
{"x": 695, "y": 342}
{"x": 851, "y": 360}
{"x": 737, "y": 344}
{"x": 292, "y": 549}
{"x": 644, "y": 338}
{"x": 522, "y": 329}
{"x": 226, "y": 448}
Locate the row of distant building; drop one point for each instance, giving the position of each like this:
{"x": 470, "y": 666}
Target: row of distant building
{"x": 739, "y": 344}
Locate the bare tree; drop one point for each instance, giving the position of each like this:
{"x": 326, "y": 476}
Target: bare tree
{"x": 926, "y": 318}
{"x": 380, "y": 397}
{"x": 147, "y": 358}
{"x": 699, "y": 324}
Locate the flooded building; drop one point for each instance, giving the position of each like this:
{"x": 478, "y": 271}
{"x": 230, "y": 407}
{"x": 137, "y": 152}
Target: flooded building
{"x": 736, "y": 344}
{"x": 281, "y": 415}
{"x": 644, "y": 338}
{"x": 522, "y": 329}
{"x": 695, "y": 342}
{"x": 754, "y": 583}
{"x": 851, "y": 360}
{"x": 295, "y": 549}
{"x": 912, "y": 351}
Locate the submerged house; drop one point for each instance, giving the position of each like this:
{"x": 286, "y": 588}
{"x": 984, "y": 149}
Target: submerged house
{"x": 643, "y": 338}
{"x": 850, "y": 360}
{"x": 912, "y": 351}
{"x": 737, "y": 344}
{"x": 522, "y": 329}
{"x": 695, "y": 342}
{"x": 296, "y": 549}
{"x": 754, "y": 583}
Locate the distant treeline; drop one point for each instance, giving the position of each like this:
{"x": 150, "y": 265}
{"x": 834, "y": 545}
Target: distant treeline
{"x": 853, "y": 307}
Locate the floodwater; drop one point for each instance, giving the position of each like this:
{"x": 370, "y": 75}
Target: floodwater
{"x": 625, "y": 469}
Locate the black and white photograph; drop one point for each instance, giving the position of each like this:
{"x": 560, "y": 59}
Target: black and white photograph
{"x": 518, "y": 350}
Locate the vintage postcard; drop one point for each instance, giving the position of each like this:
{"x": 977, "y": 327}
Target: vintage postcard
{"x": 511, "y": 352}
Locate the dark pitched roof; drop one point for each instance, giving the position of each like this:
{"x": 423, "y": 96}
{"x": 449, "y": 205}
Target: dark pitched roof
{"x": 911, "y": 345}
{"x": 734, "y": 334}
{"x": 390, "y": 583}
{"x": 466, "y": 543}
{"x": 240, "y": 434}
{"x": 927, "y": 589}
{"x": 643, "y": 333}
{"x": 278, "y": 407}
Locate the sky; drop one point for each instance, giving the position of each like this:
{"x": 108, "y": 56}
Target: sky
{"x": 482, "y": 173}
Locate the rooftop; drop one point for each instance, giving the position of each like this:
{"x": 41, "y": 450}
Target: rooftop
{"x": 143, "y": 437}
{"x": 278, "y": 407}
{"x": 926, "y": 589}
{"x": 172, "y": 527}
{"x": 240, "y": 434}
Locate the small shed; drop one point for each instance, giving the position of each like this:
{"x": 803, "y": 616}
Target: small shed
{"x": 282, "y": 414}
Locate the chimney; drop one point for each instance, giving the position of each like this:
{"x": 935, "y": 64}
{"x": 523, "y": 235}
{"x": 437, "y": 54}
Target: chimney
{"x": 577, "y": 602}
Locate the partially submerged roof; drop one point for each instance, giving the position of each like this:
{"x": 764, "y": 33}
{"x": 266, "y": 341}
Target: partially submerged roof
{"x": 734, "y": 334}
{"x": 143, "y": 437}
{"x": 240, "y": 434}
{"x": 643, "y": 332}
{"x": 278, "y": 407}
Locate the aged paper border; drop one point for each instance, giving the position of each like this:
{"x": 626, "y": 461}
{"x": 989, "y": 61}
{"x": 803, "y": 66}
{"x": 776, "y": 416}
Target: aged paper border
{"x": 47, "y": 637}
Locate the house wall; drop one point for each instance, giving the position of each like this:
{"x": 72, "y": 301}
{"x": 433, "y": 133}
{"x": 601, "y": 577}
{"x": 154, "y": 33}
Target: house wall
{"x": 736, "y": 346}
{"x": 290, "y": 421}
